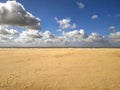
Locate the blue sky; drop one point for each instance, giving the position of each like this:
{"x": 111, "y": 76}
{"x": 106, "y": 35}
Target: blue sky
{"x": 90, "y": 23}
{"x": 47, "y": 10}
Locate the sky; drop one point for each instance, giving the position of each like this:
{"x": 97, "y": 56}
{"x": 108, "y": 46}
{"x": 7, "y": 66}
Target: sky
{"x": 60, "y": 23}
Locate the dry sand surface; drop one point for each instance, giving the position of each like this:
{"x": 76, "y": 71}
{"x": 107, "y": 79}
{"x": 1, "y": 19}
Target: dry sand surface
{"x": 59, "y": 69}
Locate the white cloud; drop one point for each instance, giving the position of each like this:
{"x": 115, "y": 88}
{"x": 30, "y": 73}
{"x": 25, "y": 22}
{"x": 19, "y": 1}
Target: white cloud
{"x": 29, "y": 36}
{"x": 13, "y": 13}
{"x": 48, "y": 35}
{"x": 5, "y": 38}
{"x": 65, "y": 23}
{"x": 112, "y": 28}
{"x": 59, "y": 30}
{"x": 5, "y": 31}
{"x": 114, "y": 39}
{"x": 96, "y": 37}
{"x": 80, "y": 5}
{"x": 75, "y": 38}
{"x": 32, "y": 34}
{"x": 94, "y": 17}
{"x": 78, "y": 38}
{"x": 78, "y": 34}
{"x": 6, "y": 41}
{"x": 115, "y": 36}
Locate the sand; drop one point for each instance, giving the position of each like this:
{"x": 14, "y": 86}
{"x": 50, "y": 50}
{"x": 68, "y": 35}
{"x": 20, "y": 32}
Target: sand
{"x": 59, "y": 69}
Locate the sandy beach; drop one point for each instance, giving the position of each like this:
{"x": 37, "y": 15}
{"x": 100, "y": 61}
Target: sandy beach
{"x": 59, "y": 69}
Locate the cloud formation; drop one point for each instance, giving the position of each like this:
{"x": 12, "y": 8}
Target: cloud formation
{"x": 74, "y": 38}
{"x": 115, "y": 36}
{"x": 114, "y": 39}
{"x": 65, "y": 23}
{"x": 5, "y": 31}
{"x": 112, "y": 28}
{"x": 94, "y": 17}
{"x": 13, "y": 13}
{"x": 78, "y": 34}
{"x": 96, "y": 37}
{"x": 80, "y": 5}
{"x": 5, "y": 39}
{"x": 29, "y": 36}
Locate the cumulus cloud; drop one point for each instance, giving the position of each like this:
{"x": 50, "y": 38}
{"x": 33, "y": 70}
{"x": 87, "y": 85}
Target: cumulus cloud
{"x": 115, "y": 36}
{"x": 78, "y": 34}
{"x": 96, "y": 37}
{"x": 114, "y": 39}
{"x": 29, "y": 36}
{"x": 48, "y": 35}
{"x": 80, "y": 5}
{"x": 79, "y": 38}
{"x": 112, "y": 28}
{"x": 65, "y": 23}
{"x": 32, "y": 36}
{"x": 7, "y": 36}
{"x": 7, "y": 41}
{"x": 4, "y": 38}
{"x": 13, "y": 13}
{"x": 75, "y": 38}
{"x": 94, "y": 17}
{"x": 5, "y": 31}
